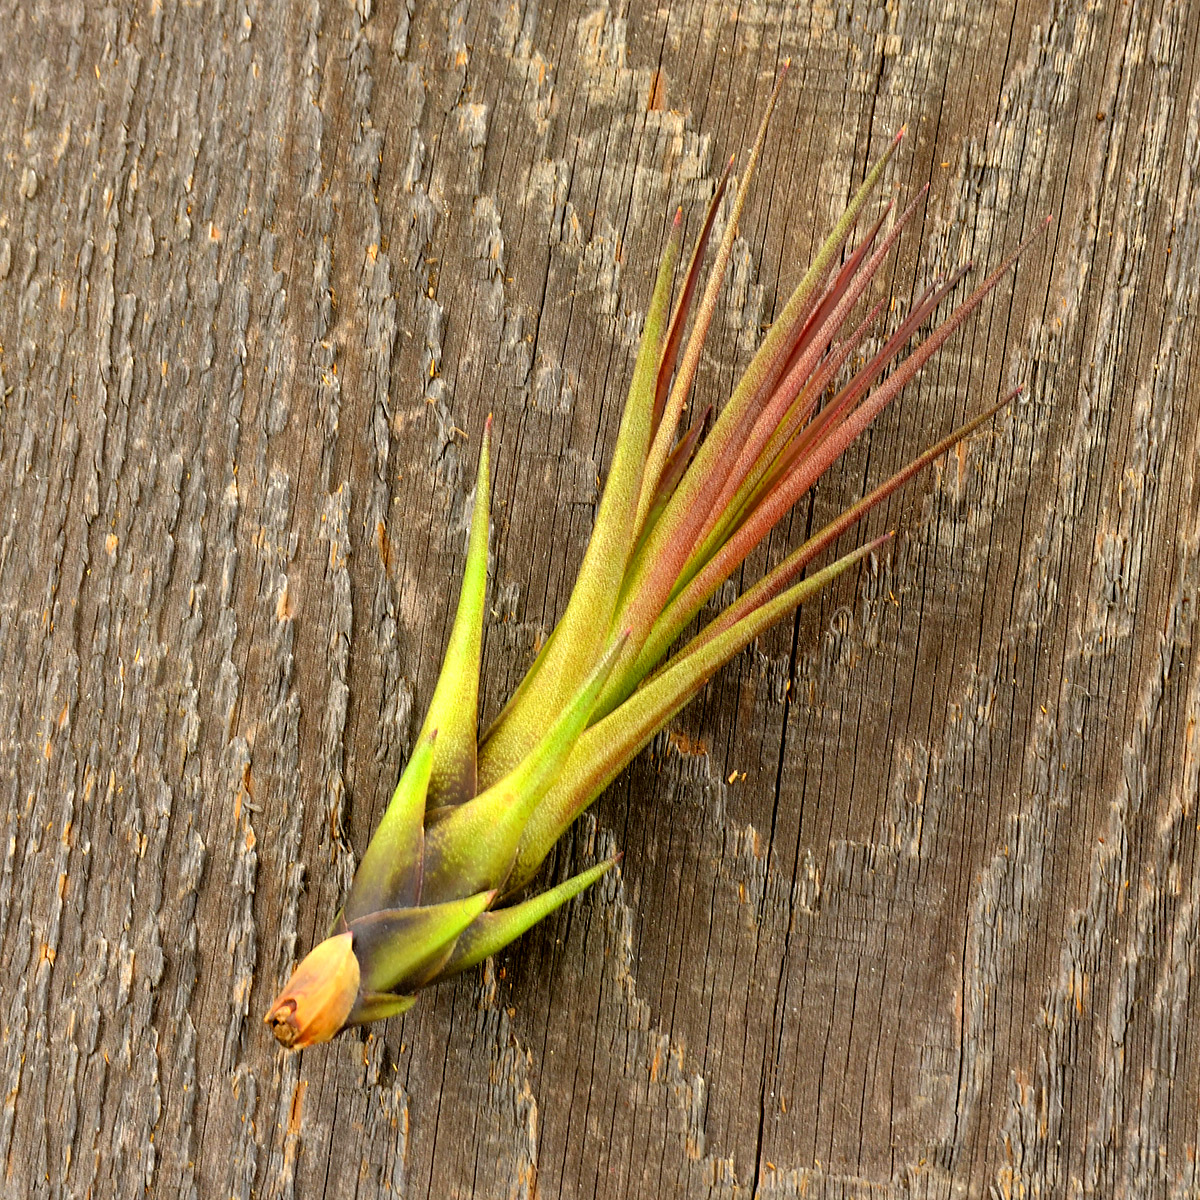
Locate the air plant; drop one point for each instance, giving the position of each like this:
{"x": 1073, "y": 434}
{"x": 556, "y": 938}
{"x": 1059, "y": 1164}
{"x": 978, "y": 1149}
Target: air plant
{"x": 441, "y": 885}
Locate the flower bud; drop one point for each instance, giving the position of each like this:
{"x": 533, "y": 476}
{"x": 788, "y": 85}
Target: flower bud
{"x": 319, "y": 996}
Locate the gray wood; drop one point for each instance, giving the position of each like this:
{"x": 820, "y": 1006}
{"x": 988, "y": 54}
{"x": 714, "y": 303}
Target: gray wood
{"x": 909, "y": 903}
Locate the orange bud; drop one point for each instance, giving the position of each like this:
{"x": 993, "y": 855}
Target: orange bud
{"x": 319, "y": 996}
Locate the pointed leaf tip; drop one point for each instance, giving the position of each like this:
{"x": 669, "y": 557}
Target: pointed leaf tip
{"x": 492, "y": 931}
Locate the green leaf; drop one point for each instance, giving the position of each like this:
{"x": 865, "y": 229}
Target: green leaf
{"x": 454, "y": 709}
{"x": 581, "y": 635}
{"x": 492, "y": 931}
{"x": 389, "y": 875}
{"x": 605, "y": 749}
{"x": 378, "y": 1006}
{"x": 472, "y": 846}
{"x": 398, "y": 949}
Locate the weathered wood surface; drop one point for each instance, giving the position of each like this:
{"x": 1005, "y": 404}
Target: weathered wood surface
{"x": 264, "y": 269}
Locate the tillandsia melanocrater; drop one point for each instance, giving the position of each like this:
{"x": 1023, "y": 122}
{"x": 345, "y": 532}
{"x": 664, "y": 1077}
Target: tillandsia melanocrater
{"x": 441, "y": 885}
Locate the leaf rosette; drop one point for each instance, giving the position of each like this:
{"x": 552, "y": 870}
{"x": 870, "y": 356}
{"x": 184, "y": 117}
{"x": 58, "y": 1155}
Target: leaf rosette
{"x": 442, "y": 883}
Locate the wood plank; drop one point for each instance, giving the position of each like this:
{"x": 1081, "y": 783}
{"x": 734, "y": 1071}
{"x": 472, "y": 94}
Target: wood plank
{"x": 909, "y": 900}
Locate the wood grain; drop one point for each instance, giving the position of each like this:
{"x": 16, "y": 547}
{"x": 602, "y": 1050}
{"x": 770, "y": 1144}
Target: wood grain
{"x": 910, "y": 900}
